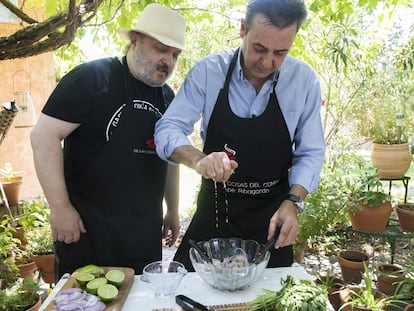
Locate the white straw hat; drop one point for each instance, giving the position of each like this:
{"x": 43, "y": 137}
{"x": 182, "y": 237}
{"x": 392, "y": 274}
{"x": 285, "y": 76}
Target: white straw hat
{"x": 161, "y": 23}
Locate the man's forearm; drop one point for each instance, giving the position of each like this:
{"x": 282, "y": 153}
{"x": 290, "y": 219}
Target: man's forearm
{"x": 50, "y": 173}
{"x": 172, "y": 187}
{"x": 187, "y": 155}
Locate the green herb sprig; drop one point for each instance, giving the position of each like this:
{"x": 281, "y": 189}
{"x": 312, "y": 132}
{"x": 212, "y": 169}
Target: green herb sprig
{"x": 295, "y": 295}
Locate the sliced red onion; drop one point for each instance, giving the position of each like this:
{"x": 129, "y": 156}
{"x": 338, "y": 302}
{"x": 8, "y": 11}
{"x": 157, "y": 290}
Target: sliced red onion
{"x": 75, "y": 299}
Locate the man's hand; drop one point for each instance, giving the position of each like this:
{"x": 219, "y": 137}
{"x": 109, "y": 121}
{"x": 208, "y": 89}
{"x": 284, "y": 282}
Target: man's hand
{"x": 217, "y": 166}
{"x": 66, "y": 224}
{"x": 171, "y": 228}
{"x": 286, "y": 218}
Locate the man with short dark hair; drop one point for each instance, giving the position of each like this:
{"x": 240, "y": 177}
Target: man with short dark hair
{"x": 263, "y": 139}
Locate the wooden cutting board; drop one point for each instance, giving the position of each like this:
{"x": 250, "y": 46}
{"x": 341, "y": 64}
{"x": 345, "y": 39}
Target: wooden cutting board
{"x": 116, "y": 304}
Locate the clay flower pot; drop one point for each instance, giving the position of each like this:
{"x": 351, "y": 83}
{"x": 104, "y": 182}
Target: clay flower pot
{"x": 371, "y": 218}
{"x": 346, "y": 294}
{"x": 409, "y": 308}
{"x": 46, "y": 266}
{"x": 36, "y": 306}
{"x": 351, "y": 263}
{"x": 388, "y": 277}
{"x": 334, "y": 285}
{"x": 12, "y": 190}
{"x": 28, "y": 270}
{"x": 405, "y": 213}
{"x": 392, "y": 160}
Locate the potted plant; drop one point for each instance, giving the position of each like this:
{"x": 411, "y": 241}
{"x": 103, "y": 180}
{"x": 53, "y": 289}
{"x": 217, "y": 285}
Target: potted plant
{"x": 24, "y": 262}
{"x": 12, "y": 182}
{"x": 7, "y": 241}
{"x": 383, "y": 117}
{"x": 365, "y": 298}
{"x": 21, "y": 296}
{"x": 9, "y": 273}
{"x": 323, "y": 211}
{"x": 333, "y": 284}
{"x": 405, "y": 213}
{"x": 388, "y": 277}
{"x": 368, "y": 206}
{"x": 352, "y": 264}
{"x": 405, "y": 287}
{"x": 29, "y": 214}
{"x": 40, "y": 244}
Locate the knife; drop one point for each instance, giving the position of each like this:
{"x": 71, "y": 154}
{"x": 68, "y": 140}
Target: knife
{"x": 189, "y": 304}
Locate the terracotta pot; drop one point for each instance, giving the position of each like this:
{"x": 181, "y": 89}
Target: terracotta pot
{"x": 388, "y": 277}
{"x": 37, "y": 306}
{"x": 19, "y": 233}
{"x": 393, "y": 161}
{"x": 299, "y": 251}
{"x": 346, "y": 293}
{"x": 46, "y": 266}
{"x": 28, "y": 270}
{"x": 405, "y": 213}
{"x": 371, "y": 219}
{"x": 333, "y": 291}
{"x": 351, "y": 263}
{"x": 12, "y": 189}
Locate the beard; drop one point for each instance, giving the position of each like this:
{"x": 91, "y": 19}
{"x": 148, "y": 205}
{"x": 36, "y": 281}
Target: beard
{"x": 150, "y": 74}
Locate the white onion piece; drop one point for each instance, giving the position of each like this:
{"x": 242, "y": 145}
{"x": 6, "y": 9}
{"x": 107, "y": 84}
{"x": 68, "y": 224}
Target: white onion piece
{"x": 91, "y": 300}
{"x": 99, "y": 306}
{"x": 75, "y": 299}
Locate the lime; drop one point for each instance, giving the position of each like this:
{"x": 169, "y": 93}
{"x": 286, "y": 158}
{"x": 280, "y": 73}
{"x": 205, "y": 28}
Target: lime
{"x": 107, "y": 292}
{"x": 92, "y": 286}
{"x": 115, "y": 277}
{"x": 93, "y": 269}
{"x": 83, "y": 278}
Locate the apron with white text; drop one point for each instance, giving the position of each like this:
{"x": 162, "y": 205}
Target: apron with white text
{"x": 244, "y": 205}
{"x": 119, "y": 196}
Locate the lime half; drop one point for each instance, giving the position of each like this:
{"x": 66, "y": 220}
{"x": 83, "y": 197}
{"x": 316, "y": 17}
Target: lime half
{"x": 93, "y": 269}
{"x": 92, "y": 286}
{"x": 115, "y": 277}
{"x": 107, "y": 292}
{"x": 83, "y": 278}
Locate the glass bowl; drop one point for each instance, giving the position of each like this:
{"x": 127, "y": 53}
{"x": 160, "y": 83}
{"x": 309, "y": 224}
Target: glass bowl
{"x": 231, "y": 267}
{"x": 163, "y": 277}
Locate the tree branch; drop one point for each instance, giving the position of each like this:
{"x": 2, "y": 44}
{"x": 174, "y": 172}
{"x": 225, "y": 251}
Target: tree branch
{"x": 46, "y": 36}
{"x": 16, "y": 11}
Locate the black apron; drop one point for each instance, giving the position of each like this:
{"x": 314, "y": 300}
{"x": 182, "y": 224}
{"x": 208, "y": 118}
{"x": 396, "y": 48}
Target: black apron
{"x": 119, "y": 196}
{"x": 243, "y": 206}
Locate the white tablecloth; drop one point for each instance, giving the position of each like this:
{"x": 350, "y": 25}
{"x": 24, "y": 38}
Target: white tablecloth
{"x": 142, "y": 298}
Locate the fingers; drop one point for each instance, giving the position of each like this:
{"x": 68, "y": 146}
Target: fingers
{"x": 217, "y": 166}
{"x": 69, "y": 236}
{"x": 287, "y": 236}
{"x": 285, "y": 220}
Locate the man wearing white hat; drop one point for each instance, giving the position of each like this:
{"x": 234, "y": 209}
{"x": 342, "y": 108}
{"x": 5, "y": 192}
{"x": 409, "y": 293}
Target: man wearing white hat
{"x": 106, "y": 186}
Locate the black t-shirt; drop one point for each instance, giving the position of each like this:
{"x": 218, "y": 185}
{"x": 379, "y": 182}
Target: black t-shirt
{"x": 91, "y": 94}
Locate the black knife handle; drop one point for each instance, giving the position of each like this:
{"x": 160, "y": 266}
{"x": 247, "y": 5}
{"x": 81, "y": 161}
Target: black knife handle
{"x": 188, "y": 304}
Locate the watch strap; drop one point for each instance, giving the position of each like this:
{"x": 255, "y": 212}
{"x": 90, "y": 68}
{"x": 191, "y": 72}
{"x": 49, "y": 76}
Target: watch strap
{"x": 297, "y": 200}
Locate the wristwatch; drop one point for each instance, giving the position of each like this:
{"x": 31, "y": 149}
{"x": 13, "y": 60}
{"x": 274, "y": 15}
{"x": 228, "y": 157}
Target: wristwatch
{"x": 297, "y": 201}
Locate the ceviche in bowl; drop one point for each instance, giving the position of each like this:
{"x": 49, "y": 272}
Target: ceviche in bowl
{"x": 229, "y": 264}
